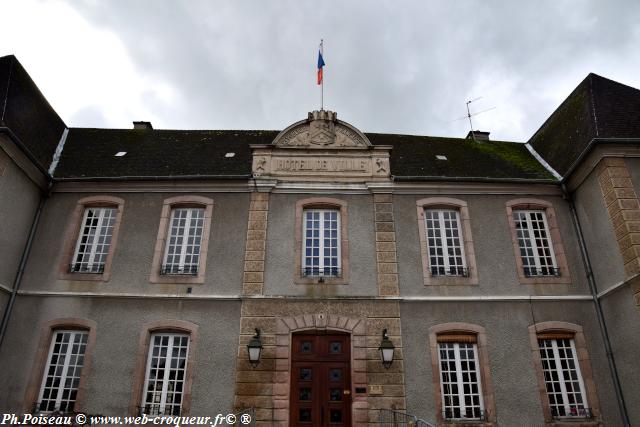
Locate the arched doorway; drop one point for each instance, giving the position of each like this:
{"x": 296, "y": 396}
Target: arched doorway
{"x": 320, "y": 379}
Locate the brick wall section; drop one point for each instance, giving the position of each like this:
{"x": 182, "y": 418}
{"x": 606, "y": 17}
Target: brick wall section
{"x": 267, "y": 386}
{"x": 386, "y": 245}
{"x": 253, "y": 278}
{"x": 624, "y": 210}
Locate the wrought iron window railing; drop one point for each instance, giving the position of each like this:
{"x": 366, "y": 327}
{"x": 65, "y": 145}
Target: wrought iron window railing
{"x": 79, "y": 267}
{"x": 449, "y": 271}
{"x": 153, "y": 410}
{"x": 574, "y": 412}
{"x": 542, "y": 271}
{"x": 321, "y": 272}
{"x": 186, "y": 270}
{"x": 456, "y": 415}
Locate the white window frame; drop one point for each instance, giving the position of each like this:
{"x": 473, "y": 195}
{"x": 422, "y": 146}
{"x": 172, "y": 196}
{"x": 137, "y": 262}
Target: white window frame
{"x": 321, "y": 264}
{"x": 185, "y": 236}
{"x": 562, "y": 382}
{"x": 443, "y": 241}
{"x": 460, "y": 383}
{"x": 532, "y": 241}
{"x": 166, "y": 372}
{"x": 66, "y": 366}
{"x": 103, "y": 230}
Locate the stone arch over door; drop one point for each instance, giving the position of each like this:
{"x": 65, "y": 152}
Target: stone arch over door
{"x": 286, "y": 326}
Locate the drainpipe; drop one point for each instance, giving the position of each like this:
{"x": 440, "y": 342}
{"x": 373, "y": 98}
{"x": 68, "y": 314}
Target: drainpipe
{"x": 23, "y": 261}
{"x": 596, "y": 301}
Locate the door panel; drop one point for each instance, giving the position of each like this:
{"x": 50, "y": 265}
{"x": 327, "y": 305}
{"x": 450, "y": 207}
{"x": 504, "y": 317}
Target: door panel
{"x": 320, "y": 380}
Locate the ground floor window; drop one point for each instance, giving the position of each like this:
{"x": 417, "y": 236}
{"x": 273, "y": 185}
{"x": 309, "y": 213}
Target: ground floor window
{"x": 165, "y": 374}
{"x": 62, "y": 373}
{"x": 562, "y": 377}
{"x": 460, "y": 381}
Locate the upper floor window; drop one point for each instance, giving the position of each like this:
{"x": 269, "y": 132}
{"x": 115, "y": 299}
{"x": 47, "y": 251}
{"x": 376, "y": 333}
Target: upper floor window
{"x": 182, "y": 252}
{"x": 564, "y": 372}
{"x": 536, "y": 249}
{"x": 183, "y": 240}
{"x": 462, "y": 374}
{"x": 446, "y": 244}
{"x": 91, "y": 239}
{"x": 537, "y": 245}
{"x": 446, "y": 252}
{"x": 322, "y": 245}
{"x": 321, "y": 242}
{"x": 94, "y": 240}
{"x": 61, "y": 379}
{"x": 165, "y": 374}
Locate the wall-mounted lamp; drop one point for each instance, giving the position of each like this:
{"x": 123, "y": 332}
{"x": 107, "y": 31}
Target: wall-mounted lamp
{"x": 254, "y": 348}
{"x": 386, "y": 350}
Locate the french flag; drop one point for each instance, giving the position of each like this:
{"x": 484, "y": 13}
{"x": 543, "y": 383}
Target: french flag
{"x": 320, "y": 65}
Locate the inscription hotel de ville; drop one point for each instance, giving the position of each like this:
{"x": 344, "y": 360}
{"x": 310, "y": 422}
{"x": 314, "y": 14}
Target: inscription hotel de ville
{"x": 321, "y": 148}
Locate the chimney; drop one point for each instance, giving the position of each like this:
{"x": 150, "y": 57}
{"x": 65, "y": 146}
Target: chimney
{"x": 142, "y": 125}
{"x": 478, "y": 135}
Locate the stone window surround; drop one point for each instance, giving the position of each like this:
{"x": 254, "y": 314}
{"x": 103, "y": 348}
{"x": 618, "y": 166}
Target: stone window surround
{"x": 322, "y": 203}
{"x": 554, "y": 236}
{"x": 73, "y": 232}
{"x": 42, "y": 353}
{"x": 467, "y": 241}
{"x": 355, "y": 327}
{"x": 137, "y": 387}
{"x": 457, "y": 328}
{"x": 163, "y": 231}
{"x": 585, "y": 368}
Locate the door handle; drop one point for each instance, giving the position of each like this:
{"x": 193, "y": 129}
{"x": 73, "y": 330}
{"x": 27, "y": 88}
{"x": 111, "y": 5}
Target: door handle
{"x": 322, "y": 415}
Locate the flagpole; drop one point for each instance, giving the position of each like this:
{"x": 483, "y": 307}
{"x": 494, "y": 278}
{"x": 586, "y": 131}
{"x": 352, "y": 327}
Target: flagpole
{"x": 322, "y": 82}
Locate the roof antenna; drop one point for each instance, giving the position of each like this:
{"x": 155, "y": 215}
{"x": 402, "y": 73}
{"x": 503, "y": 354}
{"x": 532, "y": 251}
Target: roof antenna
{"x": 469, "y": 115}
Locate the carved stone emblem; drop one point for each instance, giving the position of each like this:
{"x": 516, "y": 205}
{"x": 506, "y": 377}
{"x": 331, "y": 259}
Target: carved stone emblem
{"x": 322, "y": 132}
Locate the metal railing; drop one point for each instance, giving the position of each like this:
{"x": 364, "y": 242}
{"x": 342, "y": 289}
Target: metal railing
{"x": 455, "y": 416}
{"x": 393, "y": 418}
{"x": 451, "y": 271}
{"x": 186, "y": 270}
{"x": 542, "y": 271}
{"x": 321, "y": 272}
{"x": 580, "y": 413}
{"x": 78, "y": 267}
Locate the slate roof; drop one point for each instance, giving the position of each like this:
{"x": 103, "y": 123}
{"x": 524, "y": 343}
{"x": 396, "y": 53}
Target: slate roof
{"x": 90, "y": 153}
{"x": 597, "y": 108}
{"x": 26, "y": 112}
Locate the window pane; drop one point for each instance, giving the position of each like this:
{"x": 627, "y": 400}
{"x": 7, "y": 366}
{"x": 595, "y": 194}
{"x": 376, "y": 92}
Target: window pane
{"x": 62, "y": 373}
{"x": 563, "y": 379}
{"x": 94, "y": 240}
{"x": 165, "y": 374}
{"x": 182, "y": 252}
{"x": 536, "y": 250}
{"x": 460, "y": 381}
{"x": 444, "y": 245}
{"x": 321, "y": 246}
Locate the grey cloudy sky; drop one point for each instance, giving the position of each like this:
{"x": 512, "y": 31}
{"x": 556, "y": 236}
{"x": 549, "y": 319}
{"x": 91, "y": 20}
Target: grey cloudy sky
{"x": 392, "y": 66}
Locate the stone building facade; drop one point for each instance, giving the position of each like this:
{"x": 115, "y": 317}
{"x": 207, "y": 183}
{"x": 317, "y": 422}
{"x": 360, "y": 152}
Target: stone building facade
{"x": 137, "y": 265}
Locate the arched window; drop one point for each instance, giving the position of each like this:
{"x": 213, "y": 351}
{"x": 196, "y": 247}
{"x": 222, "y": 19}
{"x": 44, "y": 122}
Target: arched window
{"x": 62, "y": 366}
{"x": 446, "y": 243}
{"x": 536, "y": 241}
{"x": 461, "y": 373}
{"x": 165, "y": 362}
{"x": 322, "y": 246}
{"x": 183, "y": 240}
{"x": 563, "y": 369}
{"x": 91, "y": 239}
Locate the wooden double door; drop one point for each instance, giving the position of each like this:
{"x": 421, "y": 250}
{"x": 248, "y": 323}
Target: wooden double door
{"x": 320, "y": 380}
